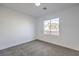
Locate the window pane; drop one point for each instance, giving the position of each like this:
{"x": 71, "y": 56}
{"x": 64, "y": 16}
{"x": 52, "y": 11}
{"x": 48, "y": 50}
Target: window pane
{"x": 47, "y": 27}
{"x": 55, "y": 26}
{"x": 51, "y": 26}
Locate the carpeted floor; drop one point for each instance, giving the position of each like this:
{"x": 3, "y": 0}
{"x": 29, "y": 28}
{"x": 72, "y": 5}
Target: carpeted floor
{"x": 38, "y": 48}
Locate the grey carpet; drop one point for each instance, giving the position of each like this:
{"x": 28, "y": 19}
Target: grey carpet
{"x": 38, "y": 48}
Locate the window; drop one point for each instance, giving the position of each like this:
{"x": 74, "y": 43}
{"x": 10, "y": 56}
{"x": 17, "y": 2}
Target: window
{"x": 51, "y": 26}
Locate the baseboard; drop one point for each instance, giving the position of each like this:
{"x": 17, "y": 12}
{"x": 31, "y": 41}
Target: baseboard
{"x": 16, "y": 44}
{"x": 57, "y": 45}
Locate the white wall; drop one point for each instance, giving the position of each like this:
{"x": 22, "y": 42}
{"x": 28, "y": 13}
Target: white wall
{"x": 69, "y": 29}
{"x": 15, "y": 28}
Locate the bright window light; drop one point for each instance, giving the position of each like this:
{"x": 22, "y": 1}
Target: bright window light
{"x": 51, "y": 26}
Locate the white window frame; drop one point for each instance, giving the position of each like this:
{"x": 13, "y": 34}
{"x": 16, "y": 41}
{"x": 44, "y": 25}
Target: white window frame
{"x": 50, "y": 31}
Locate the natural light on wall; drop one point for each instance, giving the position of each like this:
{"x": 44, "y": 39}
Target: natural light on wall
{"x": 51, "y": 27}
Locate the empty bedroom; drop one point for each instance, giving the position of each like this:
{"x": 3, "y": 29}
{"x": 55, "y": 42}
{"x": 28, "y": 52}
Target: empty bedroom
{"x": 39, "y": 29}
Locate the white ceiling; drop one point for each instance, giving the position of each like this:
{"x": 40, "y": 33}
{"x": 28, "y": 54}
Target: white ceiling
{"x": 37, "y": 12}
